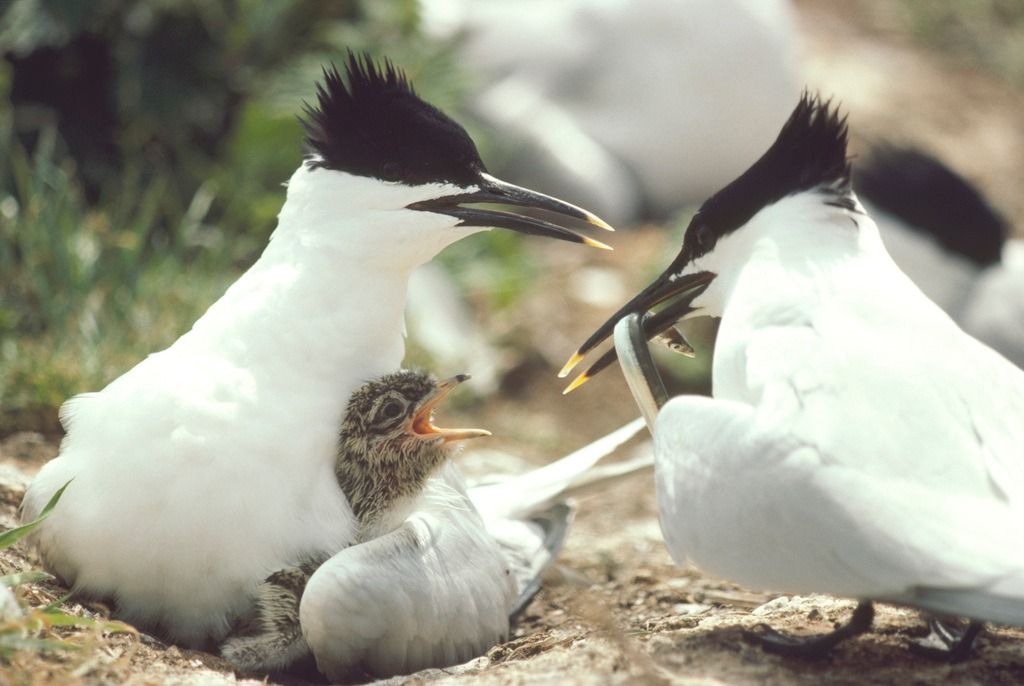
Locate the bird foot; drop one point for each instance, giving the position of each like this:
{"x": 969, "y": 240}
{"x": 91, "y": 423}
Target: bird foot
{"x": 956, "y": 644}
{"x": 813, "y": 647}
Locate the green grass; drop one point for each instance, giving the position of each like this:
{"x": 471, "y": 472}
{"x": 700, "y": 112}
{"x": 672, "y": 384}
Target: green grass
{"x": 984, "y": 34}
{"x": 86, "y": 293}
{"x": 56, "y": 255}
{"x": 85, "y": 352}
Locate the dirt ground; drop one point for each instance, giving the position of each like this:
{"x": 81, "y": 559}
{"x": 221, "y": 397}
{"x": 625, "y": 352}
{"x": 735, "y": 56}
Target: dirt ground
{"x": 616, "y": 610}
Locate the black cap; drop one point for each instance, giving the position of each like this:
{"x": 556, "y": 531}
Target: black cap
{"x": 377, "y": 126}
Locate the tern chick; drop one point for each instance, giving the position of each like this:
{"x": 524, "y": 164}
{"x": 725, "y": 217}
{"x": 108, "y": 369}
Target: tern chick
{"x": 388, "y": 447}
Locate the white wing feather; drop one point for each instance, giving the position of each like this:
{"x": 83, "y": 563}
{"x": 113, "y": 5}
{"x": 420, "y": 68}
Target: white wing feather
{"x": 806, "y": 483}
{"x": 771, "y": 511}
{"x": 519, "y": 496}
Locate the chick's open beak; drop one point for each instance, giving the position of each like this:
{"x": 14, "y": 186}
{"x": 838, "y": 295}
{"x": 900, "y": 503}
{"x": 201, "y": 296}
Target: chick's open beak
{"x": 492, "y": 190}
{"x": 422, "y": 419}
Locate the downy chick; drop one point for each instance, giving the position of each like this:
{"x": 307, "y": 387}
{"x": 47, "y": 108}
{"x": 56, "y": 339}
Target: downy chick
{"x": 388, "y": 447}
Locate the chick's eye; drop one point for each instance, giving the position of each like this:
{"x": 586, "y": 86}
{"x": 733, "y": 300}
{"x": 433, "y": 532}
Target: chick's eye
{"x": 391, "y": 171}
{"x": 391, "y": 409}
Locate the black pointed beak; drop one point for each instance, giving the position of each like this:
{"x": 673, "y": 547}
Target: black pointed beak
{"x": 671, "y": 287}
{"x": 491, "y": 190}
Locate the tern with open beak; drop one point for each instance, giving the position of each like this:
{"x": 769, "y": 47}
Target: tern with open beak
{"x": 857, "y": 442}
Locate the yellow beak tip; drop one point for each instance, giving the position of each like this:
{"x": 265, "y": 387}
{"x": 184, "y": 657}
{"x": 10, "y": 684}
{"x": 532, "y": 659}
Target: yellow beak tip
{"x": 596, "y": 244}
{"x": 576, "y": 383}
{"x": 573, "y": 361}
{"x": 594, "y": 220}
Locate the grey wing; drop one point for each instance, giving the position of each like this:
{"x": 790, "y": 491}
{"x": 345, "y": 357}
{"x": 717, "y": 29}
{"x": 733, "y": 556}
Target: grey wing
{"x": 433, "y": 593}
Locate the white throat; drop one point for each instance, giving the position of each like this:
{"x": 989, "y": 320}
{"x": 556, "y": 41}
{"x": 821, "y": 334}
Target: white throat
{"x": 323, "y": 305}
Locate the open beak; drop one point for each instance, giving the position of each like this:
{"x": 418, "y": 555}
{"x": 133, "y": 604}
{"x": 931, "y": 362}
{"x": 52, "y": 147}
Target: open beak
{"x": 422, "y": 419}
{"x": 492, "y": 190}
{"x": 673, "y": 290}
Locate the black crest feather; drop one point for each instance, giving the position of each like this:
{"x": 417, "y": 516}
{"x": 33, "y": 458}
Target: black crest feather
{"x": 809, "y": 152}
{"x": 372, "y": 123}
{"x": 930, "y": 197}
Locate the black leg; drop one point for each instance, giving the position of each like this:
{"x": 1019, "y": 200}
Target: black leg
{"x": 812, "y": 647}
{"x": 957, "y": 645}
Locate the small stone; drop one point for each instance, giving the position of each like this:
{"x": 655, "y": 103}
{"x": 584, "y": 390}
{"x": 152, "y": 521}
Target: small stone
{"x": 690, "y": 609}
{"x": 10, "y": 610}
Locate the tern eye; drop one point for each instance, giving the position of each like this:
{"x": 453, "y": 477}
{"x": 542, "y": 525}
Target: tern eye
{"x": 703, "y": 238}
{"x": 391, "y": 409}
{"x": 392, "y": 171}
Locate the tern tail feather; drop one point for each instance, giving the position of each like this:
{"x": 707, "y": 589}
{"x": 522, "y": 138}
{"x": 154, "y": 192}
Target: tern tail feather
{"x": 520, "y": 497}
{"x": 529, "y": 514}
{"x": 973, "y": 603}
{"x": 553, "y": 524}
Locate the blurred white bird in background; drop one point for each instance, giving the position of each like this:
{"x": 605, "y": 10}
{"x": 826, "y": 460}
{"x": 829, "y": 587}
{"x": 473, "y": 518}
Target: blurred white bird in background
{"x": 632, "y": 107}
{"x": 950, "y": 241}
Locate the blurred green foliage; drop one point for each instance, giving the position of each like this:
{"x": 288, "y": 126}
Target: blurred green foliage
{"x": 980, "y": 33}
{"x": 991, "y": 31}
{"x": 143, "y": 147}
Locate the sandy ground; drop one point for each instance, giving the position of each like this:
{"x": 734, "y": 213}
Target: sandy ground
{"x": 615, "y": 610}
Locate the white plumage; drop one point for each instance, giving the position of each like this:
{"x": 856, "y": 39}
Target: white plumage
{"x": 942, "y": 233}
{"x": 210, "y": 465}
{"x": 627, "y": 105}
{"x": 995, "y": 311}
{"x": 849, "y": 447}
{"x": 214, "y": 459}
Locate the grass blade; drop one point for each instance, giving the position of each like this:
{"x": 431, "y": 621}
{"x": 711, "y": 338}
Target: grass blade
{"x": 12, "y": 580}
{"x": 10, "y": 643}
{"x": 12, "y": 536}
{"x": 110, "y": 626}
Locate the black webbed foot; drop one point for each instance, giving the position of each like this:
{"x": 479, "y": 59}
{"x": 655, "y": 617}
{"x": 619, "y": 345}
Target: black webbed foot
{"x": 957, "y": 645}
{"x": 815, "y": 647}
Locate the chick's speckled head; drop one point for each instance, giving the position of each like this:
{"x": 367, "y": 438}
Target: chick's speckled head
{"x": 382, "y": 408}
{"x": 388, "y": 444}
{"x": 398, "y": 408}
